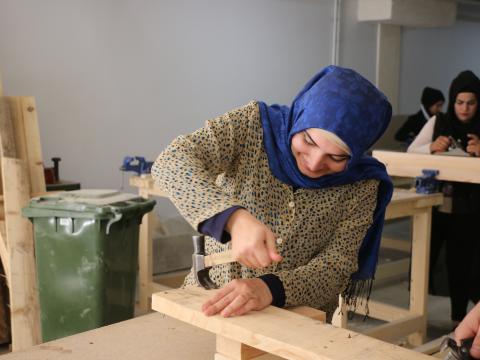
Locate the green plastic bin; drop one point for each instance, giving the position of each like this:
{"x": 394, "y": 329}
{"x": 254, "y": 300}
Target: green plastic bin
{"x": 86, "y": 250}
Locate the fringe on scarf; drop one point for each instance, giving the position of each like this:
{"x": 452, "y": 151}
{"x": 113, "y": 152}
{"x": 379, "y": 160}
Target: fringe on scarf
{"x": 356, "y": 293}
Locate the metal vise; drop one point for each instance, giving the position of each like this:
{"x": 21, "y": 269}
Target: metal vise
{"x": 136, "y": 164}
{"x": 427, "y": 183}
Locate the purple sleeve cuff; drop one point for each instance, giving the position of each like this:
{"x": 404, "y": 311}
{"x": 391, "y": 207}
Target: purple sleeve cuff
{"x": 215, "y": 225}
{"x": 276, "y": 288}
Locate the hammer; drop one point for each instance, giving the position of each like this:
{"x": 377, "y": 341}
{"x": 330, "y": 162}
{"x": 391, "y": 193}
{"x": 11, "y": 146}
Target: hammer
{"x": 202, "y": 263}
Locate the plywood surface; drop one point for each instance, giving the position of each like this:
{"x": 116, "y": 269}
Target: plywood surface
{"x": 149, "y": 337}
{"x": 279, "y": 331}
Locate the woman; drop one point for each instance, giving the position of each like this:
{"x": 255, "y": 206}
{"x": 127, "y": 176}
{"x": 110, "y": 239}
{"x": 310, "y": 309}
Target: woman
{"x": 431, "y": 104}
{"x": 455, "y": 221}
{"x": 260, "y": 173}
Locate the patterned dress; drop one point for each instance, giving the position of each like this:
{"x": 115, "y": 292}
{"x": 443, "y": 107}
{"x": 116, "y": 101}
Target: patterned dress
{"x": 224, "y": 164}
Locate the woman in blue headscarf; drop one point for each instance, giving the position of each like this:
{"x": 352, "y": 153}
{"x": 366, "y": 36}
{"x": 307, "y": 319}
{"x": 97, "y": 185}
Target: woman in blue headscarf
{"x": 291, "y": 191}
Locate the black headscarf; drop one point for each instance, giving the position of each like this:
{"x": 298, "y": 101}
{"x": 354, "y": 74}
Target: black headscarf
{"x": 449, "y": 124}
{"x": 431, "y": 96}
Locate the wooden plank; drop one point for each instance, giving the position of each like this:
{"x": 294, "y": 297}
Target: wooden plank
{"x": 4, "y": 254}
{"x": 235, "y": 350}
{"x": 16, "y": 116}
{"x": 396, "y": 244}
{"x": 7, "y": 136}
{"x": 278, "y": 331}
{"x": 33, "y": 145}
{"x": 145, "y": 249}
{"x": 23, "y": 288}
{"x": 392, "y": 269}
{"x": 419, "y": 279}
{"x": 452, "y": 168}
{"x": 430, "y": 347}
{"x": 406, "y": 203}
{"x": 150, "y": 337}
{"x": 378, "y": 310}
{"x": 396, "y": 329}
{"x": 147, "y": 183}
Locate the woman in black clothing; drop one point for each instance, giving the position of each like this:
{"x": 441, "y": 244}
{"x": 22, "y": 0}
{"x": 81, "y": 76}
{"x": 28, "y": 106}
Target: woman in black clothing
{"x": 456, "y": 220}
{"x": 432, "y": 102}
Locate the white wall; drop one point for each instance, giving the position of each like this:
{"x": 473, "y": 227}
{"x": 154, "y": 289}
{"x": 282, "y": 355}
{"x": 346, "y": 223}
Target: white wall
{"x": 433, "y": 57}
{"x": 358, "y": 41}
{"x": 124, "y": 77}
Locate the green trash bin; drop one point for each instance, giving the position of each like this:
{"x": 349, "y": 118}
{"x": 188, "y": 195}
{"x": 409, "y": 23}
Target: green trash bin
{"x": 86, "y": 250}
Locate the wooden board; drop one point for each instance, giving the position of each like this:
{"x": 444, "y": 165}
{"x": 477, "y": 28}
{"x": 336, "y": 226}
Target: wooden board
{"x": 278, "y": 331}
{"x": 452, "y": 168}
{"x": 33, "y": 147}
{"x": 4, "y": 309}
{"x": 24, "y": 120}
{"x": 7, "y": 137}
{"x": 4, "y": 254}
{"x": 23, "y": 289}
{"x": 150, "y": 337}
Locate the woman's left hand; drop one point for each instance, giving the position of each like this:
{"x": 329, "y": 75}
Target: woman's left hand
{"x": 239, "y": 297}
{"x": 473, "y": 146}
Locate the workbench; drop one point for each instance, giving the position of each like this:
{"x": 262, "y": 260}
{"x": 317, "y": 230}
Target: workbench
{"x": 400, "y": 321}
{"x": 411, "y": 321}
{"x": 451, "y": 168}
{"x": 150, "y": 337}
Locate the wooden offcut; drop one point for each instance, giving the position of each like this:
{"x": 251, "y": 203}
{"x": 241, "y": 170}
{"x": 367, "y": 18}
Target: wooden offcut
{"x": 278, "y": 331}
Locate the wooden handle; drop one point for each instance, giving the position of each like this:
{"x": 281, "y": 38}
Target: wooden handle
{"x": 225, "y": 257}
{"x": 219, "y": 258}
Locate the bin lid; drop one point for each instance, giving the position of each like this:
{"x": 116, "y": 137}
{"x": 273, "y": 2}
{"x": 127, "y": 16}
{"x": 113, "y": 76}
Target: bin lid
{"x": 97, "y": 203}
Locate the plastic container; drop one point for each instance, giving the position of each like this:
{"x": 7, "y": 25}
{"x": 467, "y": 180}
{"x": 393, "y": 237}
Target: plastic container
{"x": 86, "y": 250}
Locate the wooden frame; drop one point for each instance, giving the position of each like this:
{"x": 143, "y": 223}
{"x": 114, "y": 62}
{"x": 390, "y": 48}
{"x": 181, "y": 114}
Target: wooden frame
{"x": 278, "y": 331}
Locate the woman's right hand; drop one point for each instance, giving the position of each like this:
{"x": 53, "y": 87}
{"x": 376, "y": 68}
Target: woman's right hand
{"x": 253, "y": 243}
{"x": 440, "y": 144}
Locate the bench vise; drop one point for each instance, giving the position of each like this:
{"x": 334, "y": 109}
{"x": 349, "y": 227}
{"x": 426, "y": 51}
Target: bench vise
{"x": 427, "y": 183}
{"x": 136, "y": 164}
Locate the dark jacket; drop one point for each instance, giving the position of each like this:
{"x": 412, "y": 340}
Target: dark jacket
{"x": 411, "y": 128}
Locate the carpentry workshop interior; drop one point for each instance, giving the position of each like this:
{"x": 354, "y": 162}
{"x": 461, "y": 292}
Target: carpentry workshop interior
{"x": 242, "y": 179}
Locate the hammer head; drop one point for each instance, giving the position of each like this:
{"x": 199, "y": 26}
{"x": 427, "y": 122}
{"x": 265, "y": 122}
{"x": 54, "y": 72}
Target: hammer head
{"x": 199, "y": 269}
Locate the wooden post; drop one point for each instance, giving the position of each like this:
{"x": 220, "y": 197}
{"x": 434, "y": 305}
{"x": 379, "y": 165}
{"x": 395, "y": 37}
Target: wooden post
{"x": 145, "y": 250}
{"x": 419, "y": 283}
{"x": 24, "y": 308}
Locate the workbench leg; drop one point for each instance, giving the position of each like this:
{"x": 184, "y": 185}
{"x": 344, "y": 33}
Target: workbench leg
{"x": 419, "y": 272}
{"x": 145, "y": 266}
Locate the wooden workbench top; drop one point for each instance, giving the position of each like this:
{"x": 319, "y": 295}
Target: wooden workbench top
{"x": 149, "y": 337}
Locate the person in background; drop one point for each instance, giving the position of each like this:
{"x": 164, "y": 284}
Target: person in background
{"x": 260, "y": 173}
{"x": 456, "y": 221}
{"x": 432, "y": 102}
{"x": 470, "y": 327}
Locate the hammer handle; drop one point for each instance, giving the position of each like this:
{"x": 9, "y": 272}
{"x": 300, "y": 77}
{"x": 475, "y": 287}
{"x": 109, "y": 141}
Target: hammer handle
{"x": 223, "y": 257}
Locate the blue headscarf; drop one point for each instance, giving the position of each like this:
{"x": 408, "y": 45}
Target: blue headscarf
{"x": 341, "y": 101}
